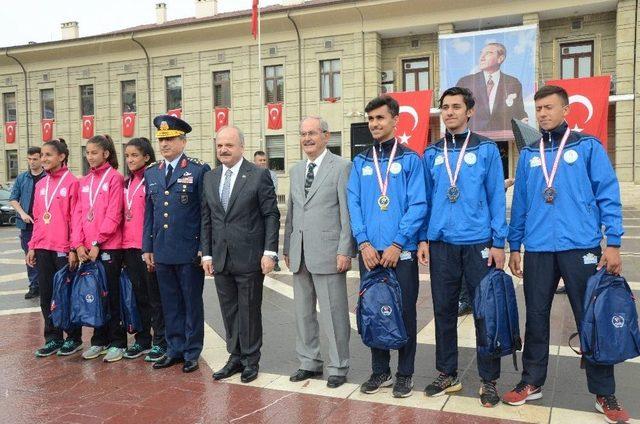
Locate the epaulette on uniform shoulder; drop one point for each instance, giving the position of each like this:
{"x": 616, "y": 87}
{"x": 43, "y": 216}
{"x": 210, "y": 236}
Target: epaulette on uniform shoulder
{"x": 153, "y": 164}
{"x": 195, "y": 160}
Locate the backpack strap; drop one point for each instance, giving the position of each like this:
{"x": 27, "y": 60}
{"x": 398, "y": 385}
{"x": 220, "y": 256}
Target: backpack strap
{"x": 504, "y": 279}
{"x": 578, "y": 352}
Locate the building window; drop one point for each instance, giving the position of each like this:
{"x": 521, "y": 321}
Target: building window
{"x": 174, "y": 92}
{"x": 275, "y": 152}
{"x": 415, "y": 74}
{"x": 335, "y": 143}
{"x": 12, "y": 164}
{"x": 85, "y": 164}
{"x": 576, "y": 59}
{"x": 274, "y": 84}
{"x": 9, "y": 106}
{"x": 47, "y": 107}
{"x": 222, "y": 89}
{"x": 128, "y": 90}
{"x": 86, "y": 100}
{"x": 330, "y": 79}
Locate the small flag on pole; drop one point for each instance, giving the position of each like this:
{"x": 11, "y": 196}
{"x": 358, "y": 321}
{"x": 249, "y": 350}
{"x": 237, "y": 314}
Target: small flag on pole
{"x": 254, "y": 19}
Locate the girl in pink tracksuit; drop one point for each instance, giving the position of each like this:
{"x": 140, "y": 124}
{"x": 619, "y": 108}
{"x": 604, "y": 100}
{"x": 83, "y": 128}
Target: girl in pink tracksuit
{"x": 97, "y": 235}
{"x": 139, "y": 154}
{"x": 54, "y": 201}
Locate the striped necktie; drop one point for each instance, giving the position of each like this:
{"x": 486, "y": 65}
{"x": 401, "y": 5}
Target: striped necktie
{"x": 226, "y": 189}
{"x": 309, "y": 179}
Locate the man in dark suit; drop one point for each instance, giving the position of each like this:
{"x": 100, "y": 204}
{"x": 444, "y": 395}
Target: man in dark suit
{"x": 170, "y": 242}
{"x": 240, "y": 225}
{"x": 498, "y": 95}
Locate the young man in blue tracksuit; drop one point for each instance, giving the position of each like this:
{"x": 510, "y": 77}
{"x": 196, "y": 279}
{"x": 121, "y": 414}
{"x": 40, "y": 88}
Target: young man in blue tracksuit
{"x": 464, "y": 234}
{"x": 565, "y": 191}
{"x": 387, "y": 204}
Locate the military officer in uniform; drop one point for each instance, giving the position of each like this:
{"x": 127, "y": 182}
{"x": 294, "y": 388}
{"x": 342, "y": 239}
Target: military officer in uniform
{"x": 171, "y": 241}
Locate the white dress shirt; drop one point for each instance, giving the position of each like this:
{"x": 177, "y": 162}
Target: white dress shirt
{"x": 317, "y": 161}
{"x": 235, "y": 170}
{"x": 495, "y": 77}
{"x": 173, "y": 163}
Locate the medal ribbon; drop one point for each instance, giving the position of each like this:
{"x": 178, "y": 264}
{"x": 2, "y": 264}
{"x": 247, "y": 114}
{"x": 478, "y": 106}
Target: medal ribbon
{"x": 130, "y": 201}
{"x": 92, "y": 198}
{"x": 453, "y": 178}
{"x": 384, "y": 185}
{"x": 47, "y": 200}
{"x": 549, "y": 178}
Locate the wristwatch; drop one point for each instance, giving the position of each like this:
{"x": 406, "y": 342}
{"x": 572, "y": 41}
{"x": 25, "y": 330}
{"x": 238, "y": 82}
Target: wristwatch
{"x": 95, "y": 244}
{"x": 275, "y": 258}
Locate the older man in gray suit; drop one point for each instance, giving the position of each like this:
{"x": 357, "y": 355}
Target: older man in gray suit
{"x": 318, "y": 248}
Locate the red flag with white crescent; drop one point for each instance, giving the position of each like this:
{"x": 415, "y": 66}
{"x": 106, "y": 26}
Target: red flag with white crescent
{"x": 274, "y": 110}
{"x": 87, "y": 127}
{"x": 10, "y": 131}
{"x": 413, "y": 123}
{"x": 47, "y": 129}
{"x": 175, "y": 112}
{"x": 128, "y": 124}
{"x": 588, "y": 104}
{"x": 222, "y": 117}
{"x": 254, "y": 18}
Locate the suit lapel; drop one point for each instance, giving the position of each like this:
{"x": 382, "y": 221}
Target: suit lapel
{"x": 241, "y": 180}
{"x": 217, "y": 176}
{"x": 323, "y": 171}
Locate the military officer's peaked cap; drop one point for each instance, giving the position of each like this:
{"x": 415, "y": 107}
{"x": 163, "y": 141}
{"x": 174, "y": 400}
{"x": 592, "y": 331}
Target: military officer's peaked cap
{"x": 170, "y": 126}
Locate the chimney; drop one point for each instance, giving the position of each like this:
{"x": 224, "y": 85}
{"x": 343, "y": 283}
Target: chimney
{"x": 161, "y": 13}
{"x": 69, "y": 30}
{"x": 206, "y": 8}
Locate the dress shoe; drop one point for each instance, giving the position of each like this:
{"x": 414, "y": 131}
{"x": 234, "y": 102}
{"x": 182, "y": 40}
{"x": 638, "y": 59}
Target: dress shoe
{"x": 301, "y": 375}
{"x": 166, "y": 361}
{"x": 190, "y": 365}
{"x": 228, "y": 370}
{"x": 249, "y": 374}
{"x": 336, "y": 381}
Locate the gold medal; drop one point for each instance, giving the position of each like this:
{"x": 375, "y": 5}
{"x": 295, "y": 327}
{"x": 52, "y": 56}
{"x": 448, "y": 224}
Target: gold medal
{"x": 46, "y": 217}
{"x": 383, "y": 202}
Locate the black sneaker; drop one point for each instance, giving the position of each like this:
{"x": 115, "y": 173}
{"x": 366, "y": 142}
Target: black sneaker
{"x": 444, "y": 384}
{"x": 464, "y": 308}
{"x": 135, "y": 351}
{"x": 32, "y": 293}
{"x": 489, "y": 394}
{"x": 49, "y": 348}
{"x": 375, "y": 382}
{"x": 70, "y": 347}
{"x": 155, "y": 353}
{"x": 403, "y": 387}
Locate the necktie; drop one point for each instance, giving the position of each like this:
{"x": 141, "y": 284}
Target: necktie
{"x": 226, "y": 189}
{"x": 490, "y": 85}
{"x": 309, "y": 179}
{"x": 167, "y": 177}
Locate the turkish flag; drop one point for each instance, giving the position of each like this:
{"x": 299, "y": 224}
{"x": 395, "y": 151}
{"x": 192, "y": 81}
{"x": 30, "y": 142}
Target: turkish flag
{"x": 275, "y": 116}
{"x": 222, "y": 117}
{"x": 588, "y": 104}
{"x": 87, "y": 126}
{"x": 128, "y": 124}
{"x": 254, "y": 18}
{"x": 413, "y": 124}
{"x": 175, "y": 112}
{"x": 47, "y": 129}
{"x": 10, "y": 131}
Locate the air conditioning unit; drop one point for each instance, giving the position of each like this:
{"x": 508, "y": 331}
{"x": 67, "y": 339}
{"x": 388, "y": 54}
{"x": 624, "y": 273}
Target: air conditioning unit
{"x": 386, "y": 88}
{"x": 387, "y": 76}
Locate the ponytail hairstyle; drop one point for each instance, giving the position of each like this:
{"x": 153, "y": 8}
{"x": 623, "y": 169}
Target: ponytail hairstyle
{"x": 60, "y": 146}
{"x": 144, "y": 145}
{"x": 106, "y": 143}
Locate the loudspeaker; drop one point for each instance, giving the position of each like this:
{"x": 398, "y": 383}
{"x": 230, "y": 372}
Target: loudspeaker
{"x": 361, "y": 138}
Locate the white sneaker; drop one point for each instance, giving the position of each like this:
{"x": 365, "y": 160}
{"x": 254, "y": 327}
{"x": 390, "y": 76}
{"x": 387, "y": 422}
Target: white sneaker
{"x": 114, "y": 354}
{"x": 94, "y": 351}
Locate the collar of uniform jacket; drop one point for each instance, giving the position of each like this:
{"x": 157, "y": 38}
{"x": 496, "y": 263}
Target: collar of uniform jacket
{"x": 385, "y": 146}
{"x": 555, "y": 134}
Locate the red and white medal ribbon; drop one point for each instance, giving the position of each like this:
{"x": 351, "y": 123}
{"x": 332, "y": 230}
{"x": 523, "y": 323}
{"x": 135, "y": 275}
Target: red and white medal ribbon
{"x": 92, "y": 197}
{"x": 383, "y": 200}
{"x": 49, "y": 200}
{"x": 454, "y": 177}
{"x": 549, "y": 178}
{"x": 130, "y": 200}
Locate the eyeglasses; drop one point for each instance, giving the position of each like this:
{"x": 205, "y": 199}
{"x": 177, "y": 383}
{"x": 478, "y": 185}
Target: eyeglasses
{"x": 311, "y": 134}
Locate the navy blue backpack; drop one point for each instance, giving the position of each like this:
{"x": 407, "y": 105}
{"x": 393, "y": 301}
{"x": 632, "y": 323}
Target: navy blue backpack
{"x": 128, "y": 306}
{"x": 379, "y": 310}
{"x": 61, "y": 298}
{"x": 609, "y": 329}
{"x": 89, "y": 305}
{"x": 495, "y": 311}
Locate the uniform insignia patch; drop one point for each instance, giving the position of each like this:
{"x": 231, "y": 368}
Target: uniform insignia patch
{"x": 535, "y": 162}
{"x": 590, "y": 259}
{"x": 367, "y": 170}
{"x": 439, "y": 160}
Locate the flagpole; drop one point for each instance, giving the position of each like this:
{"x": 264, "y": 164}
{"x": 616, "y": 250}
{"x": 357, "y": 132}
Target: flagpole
{"x": 260, "y": 76}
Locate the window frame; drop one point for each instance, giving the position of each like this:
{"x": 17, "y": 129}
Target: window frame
{"x": 9, "y": 161}
{"x": 576, "y": 57}
{"x": 122, "y": 96}
{"x": 416, "y": 72}
{"x": 93, "y": 100}
{"x": 5, "y": 110}
{"x": 167, "y": 91}
{"x": 274, "y": 161}
{"x": 224, "y": 85}
{"x": 278, "y": 93}
{"x": 332, "y": 75}
{"x": 42, "y": 103}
